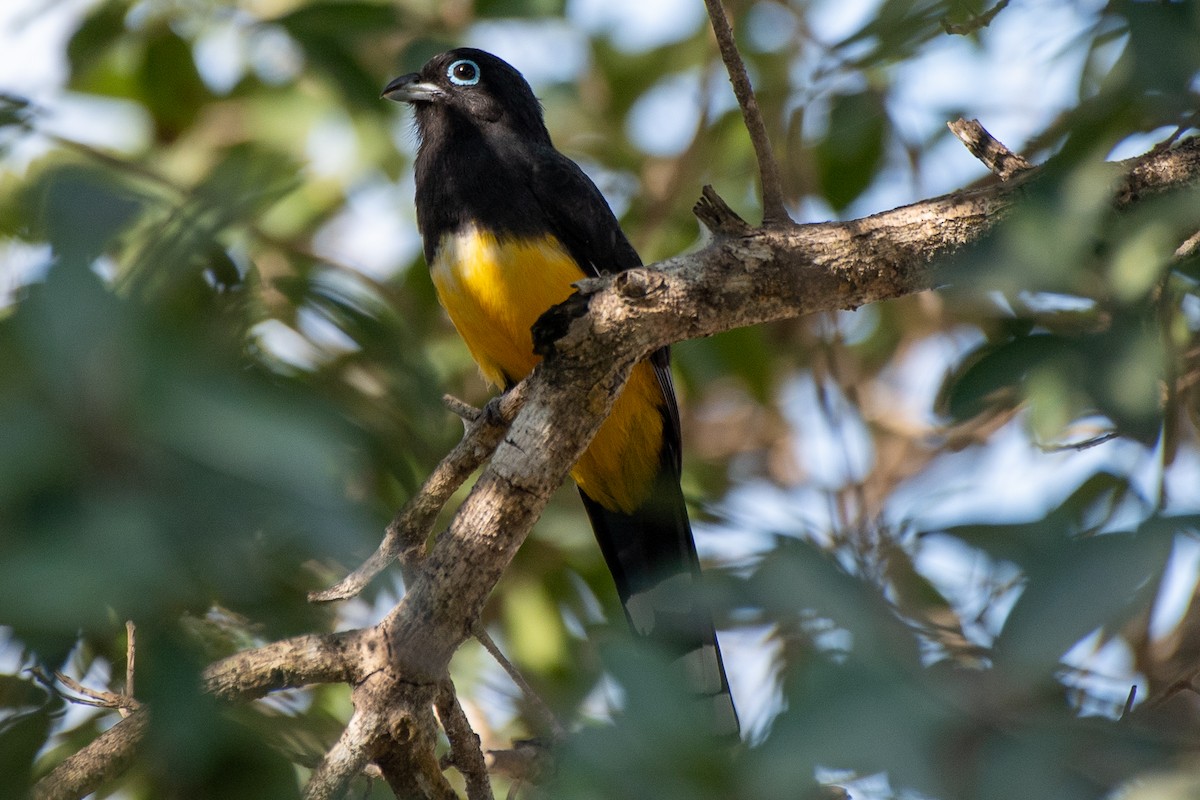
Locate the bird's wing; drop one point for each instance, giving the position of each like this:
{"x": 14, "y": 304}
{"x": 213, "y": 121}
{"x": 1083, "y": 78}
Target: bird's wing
{"x": 581, "y": 219}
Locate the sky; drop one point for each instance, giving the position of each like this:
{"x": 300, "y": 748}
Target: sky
{"x": 1026, "y": 71}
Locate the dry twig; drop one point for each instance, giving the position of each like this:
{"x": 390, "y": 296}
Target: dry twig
{"x": 405, "y": 536}
{"x": 987, "y": 148}
{"x": 466, "y": 753}
{"x": 540, "y": 707}
{"x": 774, "y": 210}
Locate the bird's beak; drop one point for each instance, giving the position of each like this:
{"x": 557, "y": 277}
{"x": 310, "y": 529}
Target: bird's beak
{"x": 411, "y": 89}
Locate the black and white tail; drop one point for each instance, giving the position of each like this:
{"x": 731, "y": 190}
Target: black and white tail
{"x": 652, "y": 558}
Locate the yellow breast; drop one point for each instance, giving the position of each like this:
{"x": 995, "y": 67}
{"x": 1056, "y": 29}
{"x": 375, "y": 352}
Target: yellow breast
{"x": 494, "y": 289}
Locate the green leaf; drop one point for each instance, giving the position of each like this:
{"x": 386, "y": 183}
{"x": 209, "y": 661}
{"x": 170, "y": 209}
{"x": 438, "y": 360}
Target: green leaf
{"x": 859, "y": 717}
{"x": 1164, "y": 49}
{"x": 100, "y": 30}
{"x": 993, "y": 376}
{"x": 80, "y": 210}
{"x": 519, "y": 8}
{"x": 1128, "y": 363}
{"x": 1090, "y": 507}
{"x": 14, "y": 110}
{"x": 171, "y": 87}
{"x": 1092, "y": 583}
{"x": 330, "y": 34}
{"x": 340, "y": 19}
{"x": 852, "y": 150}
{"x": 20, "y": 693}
{"x": 796, "y": 580}
{"x": 913, "y": 593}
{"x": 893, "y": 32}
{"x": 247, "y": 180}
{"x": 336, "y": 58}
{"x": 21, "y": 737}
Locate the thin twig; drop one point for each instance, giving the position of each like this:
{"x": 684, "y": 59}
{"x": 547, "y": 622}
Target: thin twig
{"x": 987, "y": 148}
{"x": 180, "y": 193}
{"x": 1081, "y": 445}
{"x": 1167, "y": 305}
{"x": 540, "y": 708}
{"x": 1188, "y": 249}
{"x": 1129, "y": 702}
{"x": 465, "y": 750}
{"x": 716, "y": 215}
{"x": 83, "y": 695}
{"x": 526, "y": 761}
{"x": 130, "y": 660}
{"x": 404, "y": 539}
{"x": 460, "y": 408}
{"x": 774, "y": 210}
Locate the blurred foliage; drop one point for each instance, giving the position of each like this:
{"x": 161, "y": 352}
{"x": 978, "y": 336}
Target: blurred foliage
{"x": 218, "y": 380}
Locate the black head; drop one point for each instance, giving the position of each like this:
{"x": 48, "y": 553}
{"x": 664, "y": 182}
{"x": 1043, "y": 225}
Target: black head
{"x": 474, "y": 87}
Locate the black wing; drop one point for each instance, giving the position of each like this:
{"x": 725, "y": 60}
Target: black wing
{"x": 580, "y": 218}
{"x": 579, "y": 215}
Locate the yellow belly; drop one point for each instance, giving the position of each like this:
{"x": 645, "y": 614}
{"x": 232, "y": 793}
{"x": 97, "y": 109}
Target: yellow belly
{"x": 494, "y": 290}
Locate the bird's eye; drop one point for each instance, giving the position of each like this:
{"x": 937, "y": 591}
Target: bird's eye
{"x": 463, "y": 72}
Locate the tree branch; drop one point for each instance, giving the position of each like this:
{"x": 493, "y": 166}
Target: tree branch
{"x": 347, "y": 758}
{"x": 299, "y": 661}
{"x": 408, "y": 530}
{"x": 405, "y": 754}
{"x": 774, "y": 210}
{"x": 104, "y": 758}
{"x": 537, "y": 704}
{"x": 999, "y": 159}
{"x": 465, "y": 751}
{"x": 130, "y": 660}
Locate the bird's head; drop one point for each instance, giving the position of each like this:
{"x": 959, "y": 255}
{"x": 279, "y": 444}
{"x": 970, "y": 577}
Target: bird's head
{"x": 470, "y": 86}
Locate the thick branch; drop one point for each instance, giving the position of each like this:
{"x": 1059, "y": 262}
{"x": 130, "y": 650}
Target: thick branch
{"x": 773, "y": 274}
{"x": 302, "y": 660}
{"x": 406, "y": 755}
{"x": 107, "y": 756}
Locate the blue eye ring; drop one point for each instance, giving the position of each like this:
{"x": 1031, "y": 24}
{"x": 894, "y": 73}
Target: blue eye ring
{"x": 463, "y": 72}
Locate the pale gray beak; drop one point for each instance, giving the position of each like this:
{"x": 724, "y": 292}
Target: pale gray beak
{"x": 411, "y": 89}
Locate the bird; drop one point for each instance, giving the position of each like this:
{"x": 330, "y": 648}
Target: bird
{"x": 508, "y": 224}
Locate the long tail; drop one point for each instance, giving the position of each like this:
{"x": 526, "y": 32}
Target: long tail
{"x": 652, "y": 558}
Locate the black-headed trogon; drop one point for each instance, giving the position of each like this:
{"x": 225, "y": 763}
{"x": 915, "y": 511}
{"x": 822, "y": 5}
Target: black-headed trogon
{"x": 508, "y": 224}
